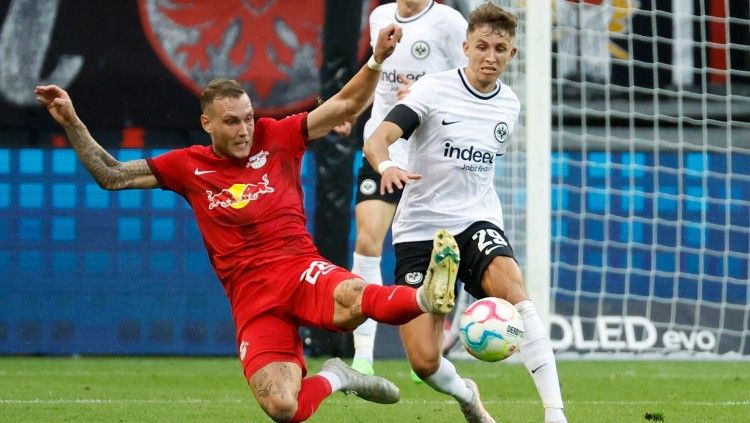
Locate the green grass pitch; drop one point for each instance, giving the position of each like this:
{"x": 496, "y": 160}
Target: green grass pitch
{"x": 213, "y": 390}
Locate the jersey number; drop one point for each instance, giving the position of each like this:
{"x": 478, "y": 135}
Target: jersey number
{"x": 316, "y": 269}
{"x": 489, "y": 240}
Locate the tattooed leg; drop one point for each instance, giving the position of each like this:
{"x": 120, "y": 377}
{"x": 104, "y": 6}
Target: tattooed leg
{"x": 276, "y": 387}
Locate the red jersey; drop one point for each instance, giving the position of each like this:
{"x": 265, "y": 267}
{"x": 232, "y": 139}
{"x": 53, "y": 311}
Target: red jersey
{"x": 249, "y": 212}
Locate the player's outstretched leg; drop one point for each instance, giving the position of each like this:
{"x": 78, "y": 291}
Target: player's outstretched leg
{"x": 474, "y": 410}
{"x": 370, "y": 388}
{"x": 437, "y": 294}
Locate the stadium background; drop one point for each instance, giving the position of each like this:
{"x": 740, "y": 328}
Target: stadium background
{"x": 85, "y": 271}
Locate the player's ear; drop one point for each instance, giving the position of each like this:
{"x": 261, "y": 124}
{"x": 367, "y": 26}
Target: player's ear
{"x": 466, "y": 48}
{"x": 206, "y": 123}
{"x": 513, "y": 52}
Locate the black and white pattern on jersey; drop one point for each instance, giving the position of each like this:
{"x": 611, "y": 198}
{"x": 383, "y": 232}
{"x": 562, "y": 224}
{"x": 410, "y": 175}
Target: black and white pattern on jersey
{"x": 420, "y": 50}
{"x": 501, "y": 132}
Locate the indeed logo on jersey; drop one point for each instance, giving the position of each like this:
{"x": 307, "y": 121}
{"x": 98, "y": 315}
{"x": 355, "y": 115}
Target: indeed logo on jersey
{"x": 478, "y": 160}
{"x": 392, "y": 76}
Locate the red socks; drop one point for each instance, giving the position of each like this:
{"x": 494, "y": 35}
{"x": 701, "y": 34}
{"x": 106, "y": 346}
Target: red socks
{"x": 314, "y": 390}
{"x": 394, "y": 305}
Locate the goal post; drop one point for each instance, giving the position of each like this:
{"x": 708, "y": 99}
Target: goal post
{"x": 536, "y": 103}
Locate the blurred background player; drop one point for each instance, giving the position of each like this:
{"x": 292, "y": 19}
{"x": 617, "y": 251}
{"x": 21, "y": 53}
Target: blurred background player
{"x": 432, "y": 37}
{"x": 583, "y": 35}
{"x": 459, "y": 122}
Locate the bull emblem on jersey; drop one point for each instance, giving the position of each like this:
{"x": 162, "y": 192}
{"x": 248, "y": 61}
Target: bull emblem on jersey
{"x": 238, "y": 195}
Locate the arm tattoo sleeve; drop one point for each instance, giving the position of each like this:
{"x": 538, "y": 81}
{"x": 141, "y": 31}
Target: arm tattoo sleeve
{"x": 107, "y": 171}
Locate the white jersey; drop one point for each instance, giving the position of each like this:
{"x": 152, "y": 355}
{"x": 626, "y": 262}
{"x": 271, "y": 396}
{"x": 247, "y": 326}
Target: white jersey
{"x": 432, "y": 41}
{"x": 461, "y": 134}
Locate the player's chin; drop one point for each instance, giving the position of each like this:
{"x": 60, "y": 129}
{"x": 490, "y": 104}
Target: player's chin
{"x": 241, "y": 151}
{"x": 489, "y": 74}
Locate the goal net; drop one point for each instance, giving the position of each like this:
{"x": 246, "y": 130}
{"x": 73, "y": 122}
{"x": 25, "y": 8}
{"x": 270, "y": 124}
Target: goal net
{"x": 626, "y": 189}
{"x": 650, "y": 178}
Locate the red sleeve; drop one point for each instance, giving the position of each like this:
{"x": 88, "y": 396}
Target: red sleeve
{"x": 169, "y": 169}
{"x": 289, "y": 133}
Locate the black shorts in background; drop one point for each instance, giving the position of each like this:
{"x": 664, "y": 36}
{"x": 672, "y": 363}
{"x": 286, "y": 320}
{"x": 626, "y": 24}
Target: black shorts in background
{"x": 368, "y": 186}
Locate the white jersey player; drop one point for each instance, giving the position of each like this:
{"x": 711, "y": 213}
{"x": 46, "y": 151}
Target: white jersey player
{"x": 452, "y": 114}
{"x": 431, "y": 42}
{"x": 458, "y": 122}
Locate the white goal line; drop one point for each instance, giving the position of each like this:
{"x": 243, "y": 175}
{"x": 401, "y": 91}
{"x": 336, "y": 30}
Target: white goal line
{"x": 95, "y": 401}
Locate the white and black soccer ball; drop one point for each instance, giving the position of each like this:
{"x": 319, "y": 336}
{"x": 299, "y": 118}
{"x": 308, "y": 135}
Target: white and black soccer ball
{"x": 491, "y": 329}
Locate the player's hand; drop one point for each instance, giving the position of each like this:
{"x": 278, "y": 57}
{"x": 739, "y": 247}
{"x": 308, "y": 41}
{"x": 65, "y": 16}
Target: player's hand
{"x": 343, "y": 129}
{"x": 394, "y": 177}
{"x": 387, "y": 40}
{"x": 405, "y": 86}
{"x": 58, "y": 103}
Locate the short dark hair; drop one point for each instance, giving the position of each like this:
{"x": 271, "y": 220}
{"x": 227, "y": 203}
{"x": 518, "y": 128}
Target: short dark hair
{"x": 220, "y": 88}
{"x": 499, "y": 19}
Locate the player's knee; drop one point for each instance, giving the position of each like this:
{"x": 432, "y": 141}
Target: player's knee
{"x": 348, "y": 294}
{"x": 513, "y": 292}
{"x": 503, "y": 279}
{"x": 368, "y": 245}
{"x": 347, "y": 310}
{"x": 280, "y": 409}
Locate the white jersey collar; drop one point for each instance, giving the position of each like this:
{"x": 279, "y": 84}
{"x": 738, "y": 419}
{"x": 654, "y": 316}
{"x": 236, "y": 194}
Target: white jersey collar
{"x": 474, "y": 91}
{"x": 427, "y": 8}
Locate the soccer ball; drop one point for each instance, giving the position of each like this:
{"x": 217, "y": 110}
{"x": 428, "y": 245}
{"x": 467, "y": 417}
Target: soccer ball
{"x": 491, "y": 329}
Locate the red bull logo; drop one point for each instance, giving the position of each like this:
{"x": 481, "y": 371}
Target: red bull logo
{"x": 238, "y": 195}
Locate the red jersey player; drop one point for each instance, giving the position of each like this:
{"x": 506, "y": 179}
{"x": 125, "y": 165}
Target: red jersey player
{"x": 246, "y": 194}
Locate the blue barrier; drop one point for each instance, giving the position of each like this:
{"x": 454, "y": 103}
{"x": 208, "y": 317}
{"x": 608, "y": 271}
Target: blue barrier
{"x": 83, "y": 270}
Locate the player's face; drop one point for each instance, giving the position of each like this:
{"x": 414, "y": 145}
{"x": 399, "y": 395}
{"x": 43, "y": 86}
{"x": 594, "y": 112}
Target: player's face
{"x": 230, "y": 123}
{"x": 489, "y": 53}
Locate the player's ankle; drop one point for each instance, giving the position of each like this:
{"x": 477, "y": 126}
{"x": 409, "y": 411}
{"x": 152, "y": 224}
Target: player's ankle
{"x": 554, "y": 415}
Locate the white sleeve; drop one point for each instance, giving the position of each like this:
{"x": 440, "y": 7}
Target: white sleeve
{"x": 420, "y": 98}
{"x": 376, "y": 24}
{"x": 511, "y": 128}
{"x": 455, "y": 35}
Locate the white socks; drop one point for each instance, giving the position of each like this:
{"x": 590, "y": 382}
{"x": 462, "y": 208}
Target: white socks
{"x": 332, "y": 379}
{"x": 368, "y": 268}
{"x": 447, "y": 381}
{"x": 536, "y": 353}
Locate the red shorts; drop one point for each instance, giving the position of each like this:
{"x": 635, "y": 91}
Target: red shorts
{"x": 303, "y": 296}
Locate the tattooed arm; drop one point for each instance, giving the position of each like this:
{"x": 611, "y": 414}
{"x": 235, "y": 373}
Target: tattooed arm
{"x": 108, "y": 172}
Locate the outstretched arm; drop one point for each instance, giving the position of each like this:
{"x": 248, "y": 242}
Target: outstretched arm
{"x": 354, "y": 96}
{"x": 108, "y": 172}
